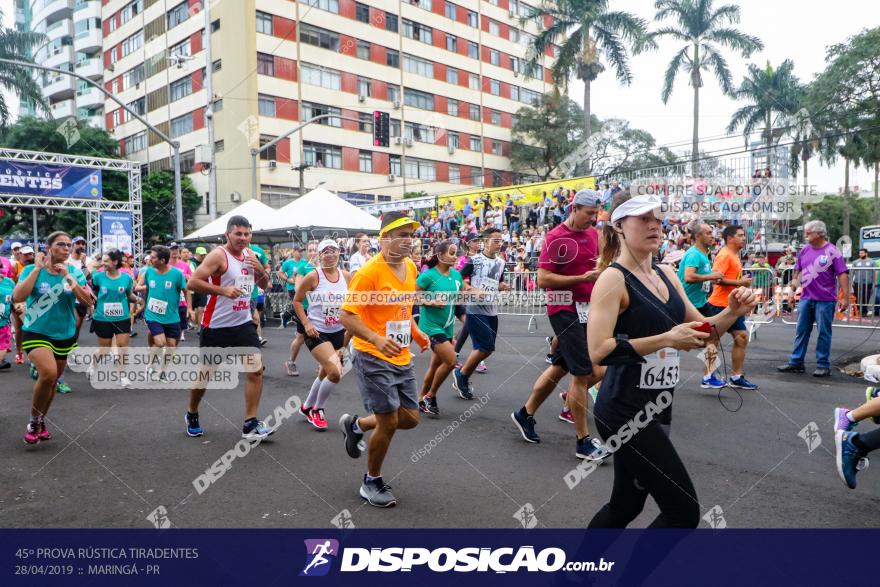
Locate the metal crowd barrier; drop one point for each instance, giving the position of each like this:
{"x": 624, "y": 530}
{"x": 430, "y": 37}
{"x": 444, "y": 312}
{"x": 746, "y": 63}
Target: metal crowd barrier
{"x": 530, "y": 301}
{"x": 864, "y": 308}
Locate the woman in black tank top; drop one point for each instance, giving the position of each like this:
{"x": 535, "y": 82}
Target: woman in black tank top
{"x": 640, "y": 320}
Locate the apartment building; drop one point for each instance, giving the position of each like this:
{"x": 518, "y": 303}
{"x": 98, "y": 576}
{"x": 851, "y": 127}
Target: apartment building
{"x": 73, "y": 43}
{"x": 450, "y": 73}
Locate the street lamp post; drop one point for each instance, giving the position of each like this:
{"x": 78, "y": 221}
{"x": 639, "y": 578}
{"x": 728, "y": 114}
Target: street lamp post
{"x": 175, "y": 145}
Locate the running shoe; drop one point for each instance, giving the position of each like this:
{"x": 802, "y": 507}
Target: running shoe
{"x": 182, "y": 336}
{"x": 62, "y": 387}
{"x": 712, "y": 382}
{"x": 871, "y": 393}
{"x": 317, "y": 419}
{"x": 791, "y": 368}
{"x": 526, "y": 425}
{"x": 292, "y": 371}
{"x": 841, "y": 422}
{"x": 742, "y": 383}
{"x": 565, "y": 415}
{"x": 44, "y": 432}
{"x": 19, "y": 358}
{"x": 591, "y": 449}
{"x": 354, "y": 442}
{"x": 461, "y": 384}
{"x": 305, "y": 413}
{"x": 32, "y": 433}
{"x": 4, "y": 364}
{"x": 263, "y": 341}
{"x": 377, "y": 493}
{"x": 192, "y": 425}
{"x": 847, "y": 456}
{"x": 254, "y": 429}
{"x": 133, "y": 334}
{"x": 431, "y": 405}
{"x": 482, "y": 368}
{"x": 32, "y": 371}
{"x": 423, "y": 408}
{"x": 548, "y": 359}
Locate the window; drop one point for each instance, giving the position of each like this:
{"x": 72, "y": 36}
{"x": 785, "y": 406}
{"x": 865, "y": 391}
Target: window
{"x": 182, "y": 125}
{"x": 322, "y": 155}
{"x": 321, "y": 76}
{"x": 451, "y": 75}
{"x": 535, "y": 72}
{"x": 311, "y": 110}
{"x": 514, "y": 93}
{"x": 134, "y": 76}
{"x": 454, "y": 174}
{"x": 452, "y": 139}
{"x": 391, "y": 22}
{"x": 514, "y": 63}
{"x": 365, "y": 87}
{"x": 180, "y": 88}
{"x": 496, "y": 117}
{"x": 265, "y": 64}
{"x": 473, "y": 50}
{"x": 139, "y": 105}
{"x": 449, "y": 10}
{"x": 132, "y": 44}
{"x": 474, "y": 111}
{"x": 420, "y": 169}
{"x": 494, "y": 87}
{"x": 182, "y": 49}
{"x": 475, "y": 144}
{"x": 264, "y": 23}
{"x": 451, "y": 43}
{"x": 126, "y": 14}
{"x": 496, "y": 179}
{"x": 271, "y": 152}
{"x": 319, "y": 37}
{"x": 392, "y": 58}
{"x": 477, "y": 176}
{"x": 188, "y": 162}
{"x": 218, "y": 65}
{"x": 417, "y": 31}
{"x": 136, "y": 143}
{"x": 420, "y": 133}
{"x": 178, "y": 14}
{"x": 82, "y": 27}
{"x": 426, "y": 4}
{"x": 362, "y": 12}
{"x": 529, "y": 96}
{"x": 394, "y": 164}
{"x": 496, "y": 147}
{"x": 452, "y": 107}
{"x": 266, "y": 105}
{"x": 393, "y": 93}
{"x": 494, "y": 28}
{"x": 365, "y": 122}
{"x": 513, "y": 120}
{"x": 472, "y": 19}
{"x": 363, "y": 50}
{"x": 418, "y": 66}
{"x": 494, "y": 57}
{"x": 514, "y": 35}
{"x": 394, "y": 127}
{"x": 328, "y": 5}
{"x": 365, "y": 162}
{"x": 473, "y": 81}
{"x": 418, "y": 99}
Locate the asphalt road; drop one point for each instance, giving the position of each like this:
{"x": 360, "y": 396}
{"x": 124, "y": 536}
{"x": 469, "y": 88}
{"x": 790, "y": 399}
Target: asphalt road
{"x": 120, "y": 454}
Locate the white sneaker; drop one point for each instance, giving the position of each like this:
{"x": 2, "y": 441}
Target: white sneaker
{"x": 182, "y": 336}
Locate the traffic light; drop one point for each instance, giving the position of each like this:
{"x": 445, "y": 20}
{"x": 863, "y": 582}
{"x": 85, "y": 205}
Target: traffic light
{"x": 381, "y": 129}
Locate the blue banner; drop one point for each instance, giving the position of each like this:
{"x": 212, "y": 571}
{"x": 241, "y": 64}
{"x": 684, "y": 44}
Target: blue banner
{"x": 116, "y": 231}
{"x": 27, "y": 179}
{"x": 168, "y": 556}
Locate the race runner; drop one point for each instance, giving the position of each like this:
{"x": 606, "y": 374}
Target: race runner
{"x": 228, "y": 275}
{"x": 567, "y": 264}
{"x": 162, "y": 286}
{"x": 382, "y": 334}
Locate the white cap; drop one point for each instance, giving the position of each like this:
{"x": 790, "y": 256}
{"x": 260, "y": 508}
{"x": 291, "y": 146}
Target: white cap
{"x": 327, "y": 242}
{"x": 26, "y": 250}
{"x": 637, "y": 206}
{"x": 15, "y": 245}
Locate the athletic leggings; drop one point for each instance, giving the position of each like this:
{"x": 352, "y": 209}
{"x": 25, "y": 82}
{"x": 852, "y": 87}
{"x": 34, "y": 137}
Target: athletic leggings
{"x": 648, "y": 465}
{"x": 868, "y": 441}
{"x": 462, "y": 337}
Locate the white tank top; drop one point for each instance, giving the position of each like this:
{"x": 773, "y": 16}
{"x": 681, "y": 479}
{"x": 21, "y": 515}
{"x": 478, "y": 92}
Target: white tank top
{"x": 223, "y": 312}
{"x": 324, "y": 314}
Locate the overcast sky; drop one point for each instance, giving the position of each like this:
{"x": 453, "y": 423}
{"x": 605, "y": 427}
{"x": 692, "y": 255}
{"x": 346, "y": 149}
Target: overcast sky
{"x": 799, "y": 31}
{"x": 789, "y": 29}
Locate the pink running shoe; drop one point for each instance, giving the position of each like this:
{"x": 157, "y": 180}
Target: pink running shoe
{"x": 482, "y": 368}
{"x": 565, "y": 416}
{"x": 317, "y": 419}
{"x": 44, "y": 433}
{"x": 32, "y": 434}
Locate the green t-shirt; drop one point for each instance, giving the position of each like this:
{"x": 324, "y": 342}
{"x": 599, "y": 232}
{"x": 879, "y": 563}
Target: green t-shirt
{"x": 163, "y": 295}
{"x": 50, "y": 306}
{"x": 697, "y": 293}
{"x": 261, "y": 255}
{"x": 435, "y": 320}
{"x": 112, "y": 296}
{"x": 291, "y": 268}
{"x": 6, "y": 287}
{"x": 304, "y": 269}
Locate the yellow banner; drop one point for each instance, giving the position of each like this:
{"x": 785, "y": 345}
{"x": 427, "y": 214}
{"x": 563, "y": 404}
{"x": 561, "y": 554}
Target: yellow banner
{"x": 528, "y": 193}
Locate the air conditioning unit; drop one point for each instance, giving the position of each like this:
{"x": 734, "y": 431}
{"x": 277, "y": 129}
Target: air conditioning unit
{"x": 235, "y": 197}
{"x": 408, "y": 142}
{"x": 361, "y": 98}
{"x": 391, "y": 177}
{"x": 398, "y": 140}
{"x": 451, "y": 149}
{"x": 273, "y": 164}
{"x": 396, "y": 104}
{"x": 203, "y": 155}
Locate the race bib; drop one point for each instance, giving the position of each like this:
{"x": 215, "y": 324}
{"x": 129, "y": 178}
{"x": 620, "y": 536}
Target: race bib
{"x": 399, "y": 331}
{"x": 707, "y": 286}
{"x": 246, "y": 284}
{"x": 661, "y": 370}
{"x": 113, "y": 310}
{"x": 157, "y": 306}
{"x": 583, "y": 310}
{"x": 3, "y": 309}
{"x": 489, "y": 284}
{"x": 331, "y": 314}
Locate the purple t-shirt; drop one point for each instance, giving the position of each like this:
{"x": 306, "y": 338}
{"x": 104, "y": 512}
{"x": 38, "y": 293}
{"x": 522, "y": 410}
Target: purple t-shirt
{"x": 819, "y": 270}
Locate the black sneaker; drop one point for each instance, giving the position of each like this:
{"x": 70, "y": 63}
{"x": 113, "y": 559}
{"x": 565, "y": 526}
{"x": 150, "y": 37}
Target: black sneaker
{"x": 192, "y": 425}
{"x": 431, "y": 406}
{"x": 789, "y": 368}
{"x": 4, "y": 364}
{"x": 462, "y": 385}
{"x": 377, "y": 493}
{"x": 822, "y": 372}
{"x": 354, "y": 442}
{"x": 423, "y": 407}
{"x": 526, "y": 425}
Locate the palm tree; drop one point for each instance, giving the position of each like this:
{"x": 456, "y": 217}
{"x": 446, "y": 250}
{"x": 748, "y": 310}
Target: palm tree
{"x": 771, "y": 91}
{"x": 805, "y": 143}
{"x": 584, "y": 29}
{"x": 18, "y": 45}
{"x": 704, "y": 30}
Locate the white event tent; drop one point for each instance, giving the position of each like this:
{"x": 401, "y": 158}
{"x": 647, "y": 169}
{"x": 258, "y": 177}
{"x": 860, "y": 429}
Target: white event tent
{"x": 257, "y": 213}
{"x": 319, "y": 211}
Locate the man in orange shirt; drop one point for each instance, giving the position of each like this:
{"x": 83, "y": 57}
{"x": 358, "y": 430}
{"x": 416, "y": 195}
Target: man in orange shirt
{"x": 378, "y": 314}
{"x": 728, "y": 263}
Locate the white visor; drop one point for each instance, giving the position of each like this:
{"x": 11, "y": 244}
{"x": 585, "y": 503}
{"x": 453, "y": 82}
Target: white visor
{"x": 637, "y": 206}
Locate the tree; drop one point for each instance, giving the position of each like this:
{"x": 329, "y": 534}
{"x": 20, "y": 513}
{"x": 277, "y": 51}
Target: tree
{"x": 831, "y": 211}
{"x": 617, "y": 148}
{"x": 583, "y": 29}
{"x": 18, "y": 45}
{"x": 704, "y": 30}
{"x": 158, "y": 205}
{"x": 543, "y": 135}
